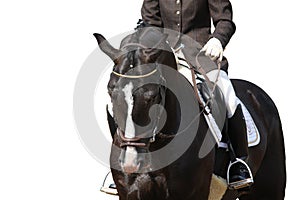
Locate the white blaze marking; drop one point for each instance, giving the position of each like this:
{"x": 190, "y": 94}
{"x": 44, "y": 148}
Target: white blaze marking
{"x": 131, "y": 153}
{"x": 129, "y": 126}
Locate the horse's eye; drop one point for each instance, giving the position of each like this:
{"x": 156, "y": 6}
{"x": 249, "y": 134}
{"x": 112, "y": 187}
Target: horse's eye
{"x": 109, "y": 90}
{"x": 150, "y": 94}
{"x": 114, "y": 95}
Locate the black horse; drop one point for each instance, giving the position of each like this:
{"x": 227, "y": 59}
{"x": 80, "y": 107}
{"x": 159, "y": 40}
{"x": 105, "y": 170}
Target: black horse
{"x": 148, "y": 116}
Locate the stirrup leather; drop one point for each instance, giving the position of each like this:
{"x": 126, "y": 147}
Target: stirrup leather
{"x": 239, "y": 184}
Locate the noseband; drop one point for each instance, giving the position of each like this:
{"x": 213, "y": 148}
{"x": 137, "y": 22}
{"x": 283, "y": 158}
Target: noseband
{"x": 135, "y": 142}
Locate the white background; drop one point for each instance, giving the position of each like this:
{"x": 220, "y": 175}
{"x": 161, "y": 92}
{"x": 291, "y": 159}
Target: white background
{"x": 42, "y": 47}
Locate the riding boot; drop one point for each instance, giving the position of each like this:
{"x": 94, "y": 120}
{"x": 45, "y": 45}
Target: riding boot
{"x": 239, "y": 174}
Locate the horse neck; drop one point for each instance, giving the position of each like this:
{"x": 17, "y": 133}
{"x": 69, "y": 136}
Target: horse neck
{"x": 172, "y": 109}
{"x": 167, "y": 59}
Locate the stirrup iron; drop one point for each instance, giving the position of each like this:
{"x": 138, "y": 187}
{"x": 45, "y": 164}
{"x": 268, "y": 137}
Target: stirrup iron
{"x": 242, "y": 183}
{"x": 108, "y": 189}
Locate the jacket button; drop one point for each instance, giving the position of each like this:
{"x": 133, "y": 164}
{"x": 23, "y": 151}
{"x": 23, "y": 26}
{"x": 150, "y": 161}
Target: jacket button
{"x": 177, "y": 1}
{"x": 177, "y": 12}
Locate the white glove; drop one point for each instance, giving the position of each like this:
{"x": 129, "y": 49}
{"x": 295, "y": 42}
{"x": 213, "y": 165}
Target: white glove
{"x": 213, "y": 48}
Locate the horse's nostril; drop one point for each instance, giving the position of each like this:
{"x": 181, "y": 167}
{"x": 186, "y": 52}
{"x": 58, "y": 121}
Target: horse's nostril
{"x": 130, "y": 162}
{"x": 110, "y": 92}
{"x": 131, "y": 168}
{"x": 122, "y": 156}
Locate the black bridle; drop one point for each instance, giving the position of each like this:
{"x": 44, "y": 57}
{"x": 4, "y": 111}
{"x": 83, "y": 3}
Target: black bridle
{"x": 142, "y": 140}
{"x": 139, "y": 141}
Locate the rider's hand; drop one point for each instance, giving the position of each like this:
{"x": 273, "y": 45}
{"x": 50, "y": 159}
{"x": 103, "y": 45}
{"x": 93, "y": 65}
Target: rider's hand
{"x": 213, "y": 48}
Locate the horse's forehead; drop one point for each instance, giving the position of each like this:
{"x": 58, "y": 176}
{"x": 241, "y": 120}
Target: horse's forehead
{"x": 129, "y": 59}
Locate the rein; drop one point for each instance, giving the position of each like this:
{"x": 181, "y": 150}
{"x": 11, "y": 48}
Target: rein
{"x": 199, "y": 69}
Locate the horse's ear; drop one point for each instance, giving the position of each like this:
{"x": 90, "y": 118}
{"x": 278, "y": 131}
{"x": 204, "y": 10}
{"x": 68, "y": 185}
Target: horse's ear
{"x": 152, "y": 54}
{"x": 106, "y": 47}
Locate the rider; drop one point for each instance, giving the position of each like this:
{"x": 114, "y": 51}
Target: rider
{"x": 193, "y": 18}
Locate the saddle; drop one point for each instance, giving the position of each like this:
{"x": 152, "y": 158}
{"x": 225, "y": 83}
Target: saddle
{"x": 214, "y": 102}
{"x": 252, "y": 131}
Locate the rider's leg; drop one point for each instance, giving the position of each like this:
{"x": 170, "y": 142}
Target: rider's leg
{"x": 239, "y": 173}
{"x": 227, "y": 89}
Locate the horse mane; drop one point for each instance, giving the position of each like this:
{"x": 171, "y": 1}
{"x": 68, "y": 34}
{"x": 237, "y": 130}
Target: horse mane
{"x": 148, "y": 37}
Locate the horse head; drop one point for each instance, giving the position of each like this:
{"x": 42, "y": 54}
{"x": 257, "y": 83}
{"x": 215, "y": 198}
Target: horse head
{"x": 136, "y": 92}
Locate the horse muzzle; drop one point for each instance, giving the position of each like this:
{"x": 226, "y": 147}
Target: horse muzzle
{"x": 129, "y": 162}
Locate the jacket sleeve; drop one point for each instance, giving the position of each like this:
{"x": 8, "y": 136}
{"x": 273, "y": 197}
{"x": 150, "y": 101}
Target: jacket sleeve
{"x": 151, "y": 13}
{"x": 221, "y": 13}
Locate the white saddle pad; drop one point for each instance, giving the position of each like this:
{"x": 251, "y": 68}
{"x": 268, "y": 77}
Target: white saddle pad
{"x": 252, "y": 131}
